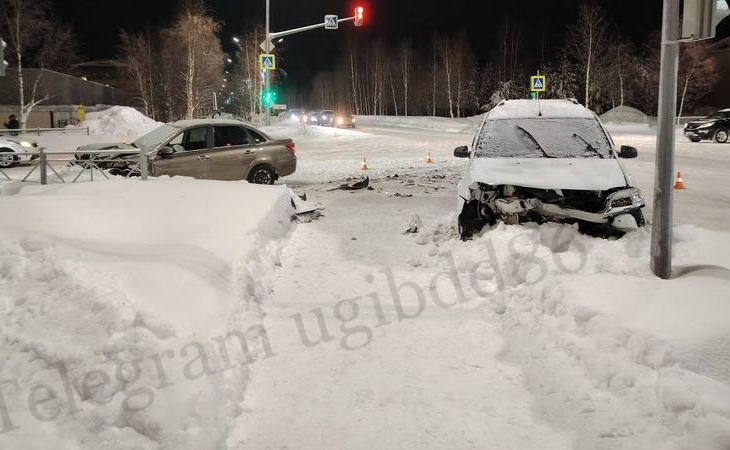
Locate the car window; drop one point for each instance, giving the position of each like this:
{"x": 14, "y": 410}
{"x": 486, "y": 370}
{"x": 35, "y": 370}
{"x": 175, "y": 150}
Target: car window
{"x": 196, "y": 139}
{"x": 256, "y": 137}
{"x": 537, "y": 138}
{"x": 228, "y": 136}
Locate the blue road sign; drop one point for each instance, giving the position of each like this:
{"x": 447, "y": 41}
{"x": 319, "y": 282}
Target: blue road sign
{"x": 538, "y": 83}
{"x": 267, "y": 61}
{"x": 331, "y": 22}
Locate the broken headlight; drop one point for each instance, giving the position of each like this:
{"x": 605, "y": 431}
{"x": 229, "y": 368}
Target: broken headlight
{"x": 626, "y": 198}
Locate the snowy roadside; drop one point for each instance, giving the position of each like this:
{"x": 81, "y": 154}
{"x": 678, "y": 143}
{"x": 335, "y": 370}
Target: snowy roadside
{"x": 129, "y": 322}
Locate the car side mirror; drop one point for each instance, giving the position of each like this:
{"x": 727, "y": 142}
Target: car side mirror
{"x": 461, "y": 152}
{"x": 166, "y": 152}
{"x": 628, "y": 152}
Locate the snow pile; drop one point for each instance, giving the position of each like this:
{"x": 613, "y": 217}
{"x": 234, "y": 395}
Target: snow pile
{"x": 624, "y": 114}
{"x": 121, "y": 303}
{"x": 119, "y": 121}
{"x": 622, "y": 358}
{"x": 444, "y": 124}
{"x": 295, "y": 130}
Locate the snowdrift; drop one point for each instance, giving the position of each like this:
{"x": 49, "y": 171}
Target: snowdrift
{"x": 624, "y": 114}
{"x": 113, "y": 295}
{"x": 119, "y": 121}
{"x": 621, "y": 358}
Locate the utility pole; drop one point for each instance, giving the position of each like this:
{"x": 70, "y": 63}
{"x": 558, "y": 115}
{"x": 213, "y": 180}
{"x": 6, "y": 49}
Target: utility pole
{"x": 661, "y": 235}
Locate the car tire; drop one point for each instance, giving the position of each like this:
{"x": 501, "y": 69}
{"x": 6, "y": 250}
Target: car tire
{"x": 469, "y": 221}
{"x": 695, "y": 139}
{"x": 7, "y": 161}
{"x": 721, "y": 135}
{"x": 262, "y": 175}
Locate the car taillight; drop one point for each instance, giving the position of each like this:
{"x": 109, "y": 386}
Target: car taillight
{"x": 292, "y": 148}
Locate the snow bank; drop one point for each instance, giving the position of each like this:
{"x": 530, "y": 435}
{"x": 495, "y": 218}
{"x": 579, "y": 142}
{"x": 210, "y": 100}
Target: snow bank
{"x": 112, "y": 296}
{"x": 622, "y": 358}
{"x": 119, "y": 121}
{"x": 464, "y": 125}
{"x": 624, "y": 114}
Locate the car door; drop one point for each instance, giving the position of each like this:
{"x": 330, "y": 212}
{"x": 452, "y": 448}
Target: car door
{"x": 191, "y": 155}
{"x": 232, "y": 153}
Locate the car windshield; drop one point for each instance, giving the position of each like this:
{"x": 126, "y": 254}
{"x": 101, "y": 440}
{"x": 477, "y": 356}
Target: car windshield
{"x": 156, "y": 137}
{"x": 542, "y": 138}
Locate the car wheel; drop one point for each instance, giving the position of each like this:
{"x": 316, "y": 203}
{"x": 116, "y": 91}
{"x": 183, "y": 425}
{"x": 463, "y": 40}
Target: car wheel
{"x": 695, "y": 139}
{"x": 470, "y": 221}
{"x": 721, "y": 136}
{"x": 7, "y": 159}
{"x": 262, "y": 175}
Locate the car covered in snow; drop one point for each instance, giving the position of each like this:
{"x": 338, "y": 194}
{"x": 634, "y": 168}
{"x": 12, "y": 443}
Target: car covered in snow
{"x": 715, "y": 127}
{"x": 14, "y": 150}
{"x": 212, "y": 149}
{"x": 547, "y": 161}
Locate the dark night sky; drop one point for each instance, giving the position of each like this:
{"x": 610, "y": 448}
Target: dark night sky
{"x": 98, "y": 22}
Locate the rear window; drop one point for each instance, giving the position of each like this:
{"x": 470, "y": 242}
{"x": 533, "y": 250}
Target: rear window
{"x": 540, "y": 138}
{"x": 230, "y": 136}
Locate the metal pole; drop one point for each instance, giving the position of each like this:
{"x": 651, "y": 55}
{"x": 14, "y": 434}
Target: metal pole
{"x": 661, "y": 235}
{"x": 42, "y": 162}
{"x": 267, "y": 76}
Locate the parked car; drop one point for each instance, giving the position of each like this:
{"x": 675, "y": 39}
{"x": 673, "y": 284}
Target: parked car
{"x": 715, "y": 127}
{"x": 212, "y": 149}
{"x": 15, "y": 150}
{"x": 551, "y": 161}
{"x": 343, "y": 120}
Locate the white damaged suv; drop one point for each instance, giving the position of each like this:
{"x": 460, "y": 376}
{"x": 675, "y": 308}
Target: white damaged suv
{"x": 547, "y": 161}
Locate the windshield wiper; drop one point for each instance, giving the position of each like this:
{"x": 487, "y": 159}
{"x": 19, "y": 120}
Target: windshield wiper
{"x": 545, "y": 154}
{"x": 589, "y": 146}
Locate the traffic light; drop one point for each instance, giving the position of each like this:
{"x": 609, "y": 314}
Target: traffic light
{"x": 358, "y": 16}
{"x": 3, "y": 63}
{"x": 268, "y": 98}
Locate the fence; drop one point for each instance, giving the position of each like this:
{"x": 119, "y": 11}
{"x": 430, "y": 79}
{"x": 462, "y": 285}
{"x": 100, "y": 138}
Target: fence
{"x": 97, "y": 160}
{"x": 38, "y": 131}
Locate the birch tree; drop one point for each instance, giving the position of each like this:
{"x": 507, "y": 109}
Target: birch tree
{"x": 697, "y": 74}
{"x": 586, "y": 44}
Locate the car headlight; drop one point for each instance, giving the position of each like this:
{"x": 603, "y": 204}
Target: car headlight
{"x": 626, "y": 198}
{"x": 707, "y": 125}
{"x": 24, "y": 144}
{"x": 354, "y": 120}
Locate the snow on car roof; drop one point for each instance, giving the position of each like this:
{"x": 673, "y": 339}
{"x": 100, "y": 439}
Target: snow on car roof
{"x": 551, "y": 109}
{"x": 195, "y": 122}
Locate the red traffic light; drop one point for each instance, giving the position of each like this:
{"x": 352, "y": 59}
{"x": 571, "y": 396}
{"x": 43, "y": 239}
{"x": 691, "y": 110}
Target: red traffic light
{"x": 358, "y": 16}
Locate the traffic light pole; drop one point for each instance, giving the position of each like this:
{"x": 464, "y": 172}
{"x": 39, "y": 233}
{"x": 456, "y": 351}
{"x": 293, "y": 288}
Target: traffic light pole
{"x": 267, "y": 73}
{"x": 271, "y": 36}
{"x": 661, "y": 235}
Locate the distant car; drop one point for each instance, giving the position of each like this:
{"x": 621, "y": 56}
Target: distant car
{"x": 13, "y": 151}
{"x": 313, "y": 118}
{"x": 293, "y": 115}
{"x": 343, "y": 120}
{"x": 715, "y": 127}
{"x": 327, "y": 118}
{"x": 547, "y": 162}
{"x": 211, "y": 149}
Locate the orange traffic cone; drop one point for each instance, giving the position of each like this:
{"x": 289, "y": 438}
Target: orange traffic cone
{"x": 429, "y": 160}
{"x": 364, "y": 165}
{"x": 679, "y": 184}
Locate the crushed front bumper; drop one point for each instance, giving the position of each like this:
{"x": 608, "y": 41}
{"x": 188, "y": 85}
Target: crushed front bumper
{"x": 618, "y": 204}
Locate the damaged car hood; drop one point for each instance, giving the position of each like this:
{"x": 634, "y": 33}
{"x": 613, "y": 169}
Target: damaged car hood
{"x": 590, "y": 174}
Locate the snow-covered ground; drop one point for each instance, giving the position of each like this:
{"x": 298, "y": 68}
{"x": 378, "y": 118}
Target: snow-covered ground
{"x": 527, "y": 337}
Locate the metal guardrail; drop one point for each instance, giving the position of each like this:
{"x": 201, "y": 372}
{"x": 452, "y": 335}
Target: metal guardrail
{"x": 38, "y": 131}
{"x": 44, "y": 161}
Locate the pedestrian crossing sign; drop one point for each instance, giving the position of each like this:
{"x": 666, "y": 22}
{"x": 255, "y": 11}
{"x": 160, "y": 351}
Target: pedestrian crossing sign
{"x": 538, "y": 83}
{"x": 267, "y": 61}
